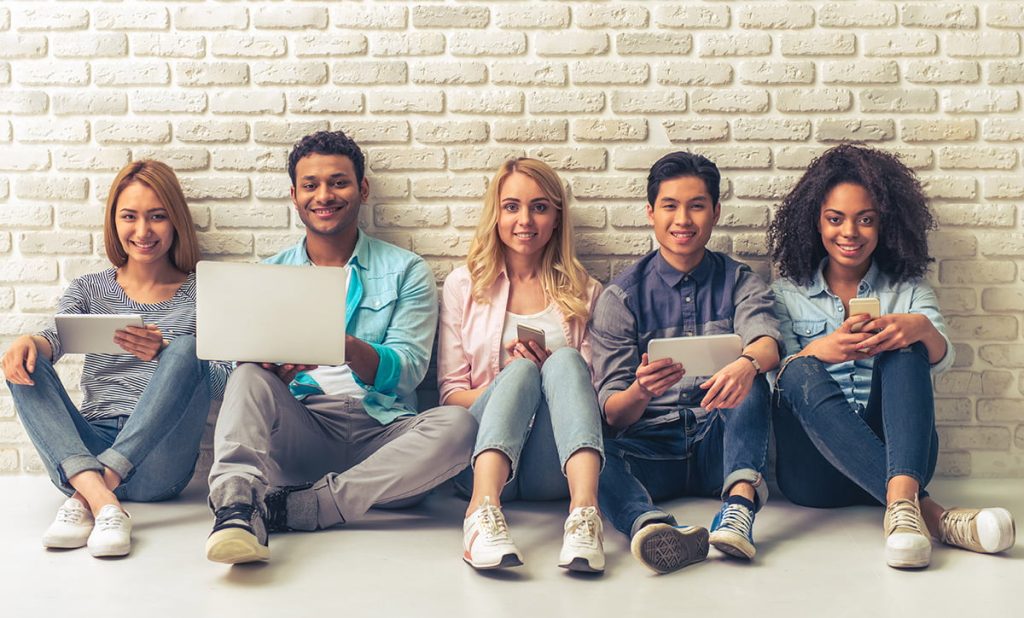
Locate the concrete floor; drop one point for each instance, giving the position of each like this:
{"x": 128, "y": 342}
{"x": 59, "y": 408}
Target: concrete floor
{"x": 408, "y": 563}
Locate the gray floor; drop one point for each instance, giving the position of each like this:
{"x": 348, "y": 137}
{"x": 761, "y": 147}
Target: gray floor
{"x": 409, "y": 564}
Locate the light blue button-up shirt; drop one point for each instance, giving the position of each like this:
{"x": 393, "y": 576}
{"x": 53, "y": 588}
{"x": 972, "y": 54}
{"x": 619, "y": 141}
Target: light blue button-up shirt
{"x": 807, "y": 312}
{"x": 392, "y": 305}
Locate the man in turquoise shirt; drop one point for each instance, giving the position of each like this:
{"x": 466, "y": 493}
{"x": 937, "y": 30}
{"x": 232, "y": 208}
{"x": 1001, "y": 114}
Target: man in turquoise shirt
{"x": 335, "y": 441}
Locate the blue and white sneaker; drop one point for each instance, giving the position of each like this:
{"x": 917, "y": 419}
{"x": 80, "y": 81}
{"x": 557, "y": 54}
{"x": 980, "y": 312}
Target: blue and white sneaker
{"x": 732, "y": 530}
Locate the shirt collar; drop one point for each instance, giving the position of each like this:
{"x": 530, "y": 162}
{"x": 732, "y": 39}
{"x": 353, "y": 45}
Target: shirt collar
{"x": 867, "y": 284}
{"x": 673, "y": 277}
{"x": 362, "y": 247}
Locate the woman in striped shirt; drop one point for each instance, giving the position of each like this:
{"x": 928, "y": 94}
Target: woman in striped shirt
{"x": 136, "y": 435}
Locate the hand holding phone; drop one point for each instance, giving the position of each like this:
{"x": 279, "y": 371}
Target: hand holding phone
{"x": 871, "y": 306}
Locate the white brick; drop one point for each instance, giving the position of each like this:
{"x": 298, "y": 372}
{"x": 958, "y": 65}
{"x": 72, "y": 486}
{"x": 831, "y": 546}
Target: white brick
{"x": 1004, "y": 187}
{"x": 149, "y": 18}
{"x": 853, "y": 15}
{"x": 451, "y": 17}
{"x": 481, "y": 158}
{"x": 5, "y": 72}
{"x": 369, "y": 18}
{"x": 689, "y": 16}
{"x": 530, "y": 130}
{"x": 231, "y": 216}
{"x": 935, "y": 130}
{"x": 373, "y": 131}
{"x": 217, "y": 17}
{"x": 987, "y": 215}
{"x": 813, "y": 100}
{"x": 47, "y": 243}
{"x": 80, "y": 216}
{"x": 442, "y": 244}
{"x": 942, "y": 72}
{"x": 24, "y": 159}
{"x": 14, "y": 216}
{"x": 451, "y": 132}
{"x": 860, "y": 72}
{"x": 284, "y": 132}
{"x": 571, "y": 158}
{"x": 952, "y": 245}
{"x": 591, "y": 243}
{"x": 647, "y": 102}
{"x": 565, "y": 102}
{"x": 819, "y": 44}
{"x": 729, "y": 100}
{"x": 938, "y": 15}
{"x": 760, "y": 72}
{"x": 956, "y": 300}
{"x": 75, "y": 267}
{"x": 406, "y": 159}
{"x": 28, "y": 270}
{"x": 173, "y": 102}
{"x": 977, "y": 45}
{"x": 407, "y": 44}
{"x": 290, "y": 17}
{"x": 249, "y": 159}
{"x": 570, "y": 43}
{"x": 219, "y": 188}
{"x": 1006, "y": 72}
{"x": 177, "y": 45}
{"x": 321, "y": 44}
{"x": 180, "y": 159}
{"x": 38, "y": 131}
{"x": 392, "y": 215}
{"x": 282, "y": 73}
{"x": 763, "y": 187}
{"x": 92, "y": 159}
{"x": 131, "y": 131}
{"x": 405, "y": 101}
{"x": 89, "y": 103}
{"x": 653, "y": 43}
{"x": 212, "y": 73}
{"x": 777, "y": 17}
{"x": 838, "y": 130}
{"x": 949, "y": 187}
{"x": 529, "y": 74}
{"x": 602, "y": 130}
{"x": 734, "y": 44}
{"x": 40, "y": 298}
{"x": 22, "y": 46}
{"x": 449, "y": 73}
{"x": 914, "y": 157}
{"x": 725, "y": 157}
{"x": 65, "y": 73}
{"x": 211, "y": 131}
{"x": 601, "y": 72}
{"x": 248, "y": 45}
{"x": 771, "y": 129}
{"x": 211, "y": 243}
{"x": 608, "y": 187}
{"x": 898, "y": 100}
{"x": 595, "y": 16}
{"x": 689, "y": 73}
{"x": 485, "y": 102}
{"x": 487, "y": 44}
{"x": 50, "y": 18}
{"x": 271, "y": 187}
{"x": 369, "y": 72}
{"x": 977, "y": 157}
{"x": 978, "y": 101}
{"x": 709, "y": 130}
{"x": 91, "y": 46}
{"x": 447, "y": 187}
{"x": 5, "y": 19}
{"x": 113, "y": 73}
{"x": 1003, "y": 130}
{"x": 534, "y": 17}
{"x": 325, "y": 102}
{"x": 902, "y": 43}
{"x": 1004, "y": 15}
{"x": 1003, "y": 299}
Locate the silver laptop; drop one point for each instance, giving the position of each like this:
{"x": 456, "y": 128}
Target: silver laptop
{"x": 270, "y": 313}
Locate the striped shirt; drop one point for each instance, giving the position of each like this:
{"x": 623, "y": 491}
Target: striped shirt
{"x": 113, "y": 383}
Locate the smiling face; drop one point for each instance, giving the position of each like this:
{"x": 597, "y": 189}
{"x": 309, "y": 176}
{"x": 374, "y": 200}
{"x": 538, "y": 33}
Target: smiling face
{"x": 327, "y": 195}
{"x": 683, "y": 216}
{"x": 143, "y": 225}
{"x": 527, "y": 218}
{"x": 849, "y": 228}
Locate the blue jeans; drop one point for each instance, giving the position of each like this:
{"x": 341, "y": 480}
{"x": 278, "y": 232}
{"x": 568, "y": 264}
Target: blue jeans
{"x": 560, "y": 400}
{"x": 153, "y": 450}
{"x": 830, "y": 455}
{"x": 675, "y": 455}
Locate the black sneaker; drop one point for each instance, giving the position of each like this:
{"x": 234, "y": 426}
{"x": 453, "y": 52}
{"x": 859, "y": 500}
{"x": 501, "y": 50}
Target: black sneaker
{"x": 276, "y": 502}
{"x": 239, "y": 535}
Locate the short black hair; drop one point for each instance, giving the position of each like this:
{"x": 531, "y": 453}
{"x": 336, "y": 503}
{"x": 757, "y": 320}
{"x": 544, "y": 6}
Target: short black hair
{"x": 327, "y": 143}
{"x": 904, "y": 219}
{"x": 678, "y": 165}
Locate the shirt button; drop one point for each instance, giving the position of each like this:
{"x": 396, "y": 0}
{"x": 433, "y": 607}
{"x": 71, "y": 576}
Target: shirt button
{"x": 688, "y": 299}
{"x": 808, "y": 331}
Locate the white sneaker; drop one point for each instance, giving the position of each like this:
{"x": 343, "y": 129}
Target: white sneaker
{"x": 71, "y": 528}
{"x": 112, "y": 535}
{"x": 583, "y": 543}
{"x": 907, "y": 546}
{"x": 486, "y": 541}
{"x": 987, "y": 531}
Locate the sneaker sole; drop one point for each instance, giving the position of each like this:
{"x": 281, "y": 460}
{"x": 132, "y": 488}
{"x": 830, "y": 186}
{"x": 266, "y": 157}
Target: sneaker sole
{"x": 906, "y": 559}
{"x": 996, "y": 530}
{"x": 507, "y": 561}
{"x": 65, "y": 543}
{"x": 581, "y": 565}
{"x": 671, "y": 549}
{"x": 732, "y": 544}
{"x": 111, "y": 552}
{"x": 235, "y": 546}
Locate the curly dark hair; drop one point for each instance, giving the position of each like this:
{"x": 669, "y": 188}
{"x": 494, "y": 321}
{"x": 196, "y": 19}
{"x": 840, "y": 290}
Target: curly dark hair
{"x": 327, "y": 143}
{"x": 794, "y": 241}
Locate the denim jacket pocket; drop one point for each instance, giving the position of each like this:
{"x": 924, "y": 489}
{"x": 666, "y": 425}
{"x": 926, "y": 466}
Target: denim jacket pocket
{"x": 807, "y": 331}
{"x": 374, "y": 316}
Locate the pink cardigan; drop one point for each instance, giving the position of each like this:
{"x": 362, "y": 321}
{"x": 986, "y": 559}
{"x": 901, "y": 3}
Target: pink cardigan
{"x": 469, "y": 343}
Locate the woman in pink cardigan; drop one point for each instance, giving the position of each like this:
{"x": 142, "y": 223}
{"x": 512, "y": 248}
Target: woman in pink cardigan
{"x": 540, "y": 426}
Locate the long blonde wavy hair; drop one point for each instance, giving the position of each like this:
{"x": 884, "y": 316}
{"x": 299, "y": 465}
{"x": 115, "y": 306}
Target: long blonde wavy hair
{"x": 563, "y": 277}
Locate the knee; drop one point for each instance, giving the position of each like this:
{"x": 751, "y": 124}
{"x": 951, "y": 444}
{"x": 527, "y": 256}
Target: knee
{"x": 155, "y": 492}
{"x": 914, "y": 353}
{"x": 522, "y": 369}
{"x": 250, "y": 373}
{"x": 182, "y": 345}
{"x": 458, "y": 427}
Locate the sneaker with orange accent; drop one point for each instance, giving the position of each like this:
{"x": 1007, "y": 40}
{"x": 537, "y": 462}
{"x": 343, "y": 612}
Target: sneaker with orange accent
{"x": 486, "y": 541}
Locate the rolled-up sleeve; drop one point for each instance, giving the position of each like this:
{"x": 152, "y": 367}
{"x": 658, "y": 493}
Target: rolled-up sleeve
{"x": 926, "y": 303}
{"x": 453, "y": 365}
{"x": 73, "y": 301}
{"x": 754, "y": 306}
{"x": 615, "y": 354}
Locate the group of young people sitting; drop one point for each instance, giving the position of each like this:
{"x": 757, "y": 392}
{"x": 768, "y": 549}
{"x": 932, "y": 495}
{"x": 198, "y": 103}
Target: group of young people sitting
{"x": 587, "y": 415}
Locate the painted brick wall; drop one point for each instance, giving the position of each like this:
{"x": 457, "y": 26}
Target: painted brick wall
{"x": 440, "y": 92}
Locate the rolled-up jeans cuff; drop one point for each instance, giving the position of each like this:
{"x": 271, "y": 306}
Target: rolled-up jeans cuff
{"x": 751, "y": 476}
{"x": 76, "y": 464}
{"x": 648, "y": 517}
{"x": 116, "y": 462}
{"x": 598, "y": 448}
{"x": 504, "y": 450}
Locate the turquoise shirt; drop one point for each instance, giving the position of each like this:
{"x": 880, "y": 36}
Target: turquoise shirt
{"x": 807, "y": 312}
{"x": 391, "y": 304}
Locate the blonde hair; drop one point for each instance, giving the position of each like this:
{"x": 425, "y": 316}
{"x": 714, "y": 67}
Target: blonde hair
{"x": 563, "y": 277}
{"x": 160, "y": 178}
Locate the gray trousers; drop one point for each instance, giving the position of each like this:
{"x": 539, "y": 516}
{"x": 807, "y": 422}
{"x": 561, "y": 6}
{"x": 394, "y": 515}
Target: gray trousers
{"x": 265, "y": 437}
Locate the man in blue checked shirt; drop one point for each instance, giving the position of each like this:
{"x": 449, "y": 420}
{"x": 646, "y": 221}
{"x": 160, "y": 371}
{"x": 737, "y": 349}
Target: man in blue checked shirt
{"x": 671, "y": 433}
{"x": 304, "y": 448}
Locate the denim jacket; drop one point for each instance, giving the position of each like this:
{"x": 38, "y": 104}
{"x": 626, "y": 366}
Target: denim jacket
{"x": 807, "y": 312}
{"x": 391, "y": 305}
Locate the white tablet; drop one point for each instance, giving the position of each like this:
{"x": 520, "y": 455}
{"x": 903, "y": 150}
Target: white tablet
{"x": 270, "y": 313}
{"x": 92, "y": 333}
{"x": 700, "y": 356}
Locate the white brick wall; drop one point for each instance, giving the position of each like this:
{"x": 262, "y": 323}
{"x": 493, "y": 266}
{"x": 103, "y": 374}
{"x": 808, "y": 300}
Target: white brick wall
{"x": 439, "y": 92}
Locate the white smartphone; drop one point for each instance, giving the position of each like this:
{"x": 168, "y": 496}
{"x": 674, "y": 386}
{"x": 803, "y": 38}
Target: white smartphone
{"x": 92, "y": 333}
{"x": 870, "y": 306}
{"x": 525, "y": 332}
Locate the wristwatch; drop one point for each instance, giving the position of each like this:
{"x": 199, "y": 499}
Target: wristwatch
{"x": 753, "y": 361}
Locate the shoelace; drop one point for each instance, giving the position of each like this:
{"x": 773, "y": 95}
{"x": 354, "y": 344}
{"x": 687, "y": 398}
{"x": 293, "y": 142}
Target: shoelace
{"x": 738, "y": 518}
{"x": 234, "y": 511}
{"x": 904, "y": 515}
{"x": 493, "y": 522}
{"x": 581, "y": 527}
{"x": 114, "y": 522}
{"x": 956, "y": 527}
{"x": 70, "y": 516}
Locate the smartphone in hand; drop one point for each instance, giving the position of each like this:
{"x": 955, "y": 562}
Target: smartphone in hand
{"x": 526, "y": 333}
{"x": 871, "y": 306}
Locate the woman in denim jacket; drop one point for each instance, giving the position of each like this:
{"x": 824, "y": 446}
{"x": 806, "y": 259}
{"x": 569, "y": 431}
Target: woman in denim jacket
{"x": 538, "y": 413}
{"x": 854, "y": 416}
